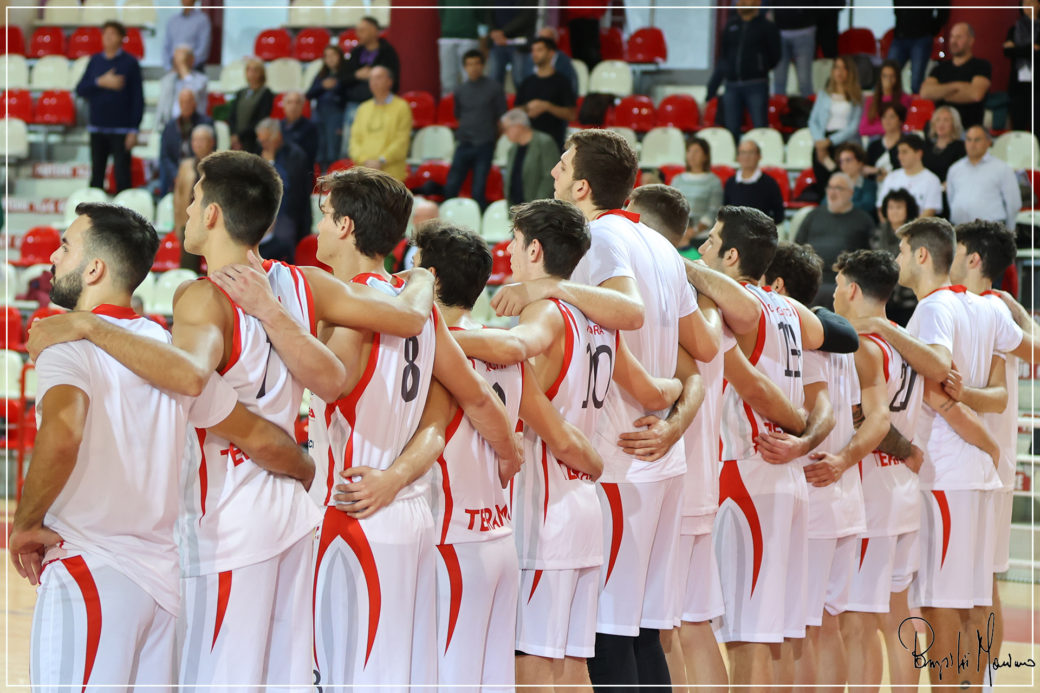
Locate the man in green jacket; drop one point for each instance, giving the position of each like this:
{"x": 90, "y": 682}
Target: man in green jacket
{"x": 527, "y": 175}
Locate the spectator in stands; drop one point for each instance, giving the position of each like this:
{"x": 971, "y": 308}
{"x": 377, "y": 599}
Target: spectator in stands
{"x": 458, "y": 37}
{"x": 833, "y": 227}
{"x": 329, "y": 90}
{"x": 963, "y": 80}
{"x": 914, "y": 32}
{"x": 251, "y": 104}
{"x": 665, "y": 210}
{"x": 750, "y": 187}
{"x": 182, "y": 76}
{"x": 532, "y": 156}
{"x": 298, "y": 129}
{"x": 835, "y": 116}
{"x": 852, "y": 160}
{"x": 701, "y": 188}
{"x": 924, "y": 185}
{"x": 889, "y": 87}
{"x": 798, "y": 45}
{"x": 945, "y": 141}
{"x": 189, "y": 26}
{"x": 562, "y": 62}
{"x": 382, "y": 129}
{"x": 294, "y": 215}
{"x": 882, "y": 153}
{"x": 750, "y": 49}
{"x": 547, "y": 96}
{"x": 981, "y": 186}
{"x": 112, "y": 85}
{"x": 583, "y": 22}
{"x": 827, "y": 26}
{"x": 203, "y": 143}
{"x": 1020, "y": 47}
{"x": 479, "y": 103}
{"x": 372, "y": 51}
{"x": 175, "y": 142}
{"x": 897, "y": 208}
{"x": 512, "y": 25}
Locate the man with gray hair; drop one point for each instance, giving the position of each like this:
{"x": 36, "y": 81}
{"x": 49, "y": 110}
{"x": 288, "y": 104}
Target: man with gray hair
{"x": 294, "y": 216}
{"x": 203, "y": 143}
{"x": 298, "y": 128}
{"x": 174, "y": 142}
{"x": 981, "y": 186}
{"x": 181, "y": 76}
{"x": 532, "y": 156}
{"x": 832, "y": 228}
{"x": 750, "y": 186}
{"x": 962, "y": 81}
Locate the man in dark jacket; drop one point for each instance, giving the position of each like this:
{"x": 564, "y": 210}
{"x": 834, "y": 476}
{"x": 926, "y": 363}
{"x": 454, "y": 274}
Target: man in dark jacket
{"x": 297, "y": 128}
{"x": 113, "y": 87}
{"x": 512, "y": 30}
{"x": 750, "y": 49}
{"x": 294, "y": 216}
{"x": 175, "y": 143}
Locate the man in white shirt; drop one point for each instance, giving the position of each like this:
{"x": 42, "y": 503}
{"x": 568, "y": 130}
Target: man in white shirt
{"x": 924, "y": 185}
{"x": 981, "y": 186}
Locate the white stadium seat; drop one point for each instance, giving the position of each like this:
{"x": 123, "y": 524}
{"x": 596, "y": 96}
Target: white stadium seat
{"x": 50, "y": 72}
{"x": 146, "y": 289}
{"x": 139, "y": 200}
{"x": 796, "y": 221}
{"x": 8, "y": 280}
{"x": 346, "y": 13}
{"x": 15, "y": 71}
{"x": 76, "y": 70}
{"x": 502, "y": 146}
{"x": 164, "y": 289}
{"x": 629, "y": 134}
{"x": 663, "y": 146}
{"x": 433, "y": 142}
{"x": 233, "y": 76}
{"x": 11, "y": 367}
{"x": 611, "y": 77}
{"x": 496, "y": 225}
{"x": 380, "y": 11}
{"x": 723, "y": 148}
{"x": 463, "y": 211}
{"x": 821, "y": 72}
{"x": 164, "y": 214}
{"x": 223, "y": 132}
{"x": 1018, "y": 148}
{"x": 582, "y": 70}
{"x": 306, "y": 13}
{"x": 82, "y": 195}
{"x": 97, "y": 12}
{"x": 771, "y": 144}
{"x": 284, "y": 74}
{"x": 62, "y": 12}
{"x": 310, "y": 72}
{"x": 139, "y": 13}
{"x": 15, "y": 143}
{"x": 799, "y": 150}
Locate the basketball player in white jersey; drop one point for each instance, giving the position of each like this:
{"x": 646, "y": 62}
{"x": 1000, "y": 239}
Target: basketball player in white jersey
{"x": 477, "y": 578}
{"x": 246, "y": 574}
{"x": 641, "y": 289}
{"x": 762, "y": 505}
{"x": 98, "y": 511}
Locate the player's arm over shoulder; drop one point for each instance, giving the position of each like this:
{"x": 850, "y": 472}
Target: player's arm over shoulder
{"x": 566, "y": 442}
{"x": 539, "y": 326}
{"x": 360, "y": 306}
{"x": 761, "y": 393}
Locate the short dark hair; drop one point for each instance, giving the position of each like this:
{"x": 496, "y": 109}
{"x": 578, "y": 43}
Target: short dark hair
{"x": 378, "y": 203}
{"x": 915, "y": 142}
{"x": 546, "y": 41}
{"x": 371, "y": 20}
{"x": 606, "y": 160}
{"x": 473, "y": 53}
{"x": 125, "y": 239}
{"x": 875, "y": 271}
{"x": 899, "y": 108}
{"x": 752, "y": 233}
{"x": 113, "y": 24}
{"x": 248, "y": 190}
{"x": 853, "y": 148}
{"x": 705, "y": 147}
{"x": 935, "y": 234}
{"x": 460, "y": 257}
{"x": 901, "y": 195}
{"x": 559, "y": 227}
{"x": 662, "y": 208}
{"x": 994, "y": 243}
{"x": 800, "y": 268}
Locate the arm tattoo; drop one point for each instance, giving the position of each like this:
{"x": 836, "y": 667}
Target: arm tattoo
{"x": 895, "y": 444}
{"x": 857, "y": 415}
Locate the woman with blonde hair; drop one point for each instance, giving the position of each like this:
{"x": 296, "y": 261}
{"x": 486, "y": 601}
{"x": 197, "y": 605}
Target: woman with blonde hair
{"x": 835, "y": 115}
{"x": 945, "y": 141}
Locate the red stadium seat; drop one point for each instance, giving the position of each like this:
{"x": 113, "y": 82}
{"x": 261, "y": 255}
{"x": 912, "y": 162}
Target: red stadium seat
{"x": 805, "y": 180}
{"x": 38, "y": 244}
{"x": 779, "y": 174}
{"x": 168, "y": 256}
{"x": 778, "y": 107}
{"x": 636, "y": 112}
{"x": 214, "y": 99}
{"x": 307, "y": 253}
{"x": 55, "y": 107}
{"x": 13, "y": 337}
{"x": 886, "y": 42}
{"x": 424, "y": 112}
{"x": 501, "y": 271}
{"x": 138, "y": 176}
{"x": 563, "y": 40}
{"x": 340, "y": 165}
{"x": 1034, "y": 181}
{"x": 47, "y": 40}
{"x": 670, "y": 171}
{"x": 435, "y": 171}
{"x": 272, "y": 44}
{"x": 646, "y": 45}
{"x": 310, "y": 44}
{"x": 857, "y": 40}
{"x": 611, "y": 44}
{"x": 43, "y": 312}
{"x": 918, "y": 115}
{"x": 85, "y": 41}
{"x": 511, "y": 100}
{"x": 723, "y": 172}
{"x": 446, "y": 111}
{"x": 680, "y": 111}
{"x": 939, "y": 47}
{"x": 133, "y": 43}
{"x": 347, "y": 41}
{"x": 17, "y": 103}
{"x": 494, "y": 189}
{"x": 278, "y": 112}
{"x": 14, "y": 41}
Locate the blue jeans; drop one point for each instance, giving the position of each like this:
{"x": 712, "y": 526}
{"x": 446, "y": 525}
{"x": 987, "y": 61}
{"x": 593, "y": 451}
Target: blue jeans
{"x": 330, "y": 133}
{"x": 917, "y": 51}
{"x": 752, "y": 95}
{"x": 470, "y": 157}
{"x": 798, "y": 45}
{"x": 503, "y": 56}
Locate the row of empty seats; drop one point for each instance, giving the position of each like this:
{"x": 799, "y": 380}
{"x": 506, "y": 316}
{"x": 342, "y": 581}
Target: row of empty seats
{"x": 337, "y": 13}
{"x": 97, "y": 12}
{"x": 49, "y": 72}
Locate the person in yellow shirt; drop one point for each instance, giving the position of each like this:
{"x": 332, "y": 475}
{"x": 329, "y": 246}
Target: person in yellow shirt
{"x": 382, "y": 129}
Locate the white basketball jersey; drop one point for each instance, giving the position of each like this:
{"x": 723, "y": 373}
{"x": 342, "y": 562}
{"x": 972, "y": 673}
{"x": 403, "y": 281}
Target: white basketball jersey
{"x": 778, "y": 355}
{"x": 836, "y": 510}
{"x": 623, "y": 247}
{"x": 121, "y": 500}
{"x": 891, "y": 491}
{"x": 222, "y": 525}
{"x": 466, "y": 496}
{"x": 556, "y": 514}
{"x": 371, "y": 425}
{"x": 1004, "y": 425}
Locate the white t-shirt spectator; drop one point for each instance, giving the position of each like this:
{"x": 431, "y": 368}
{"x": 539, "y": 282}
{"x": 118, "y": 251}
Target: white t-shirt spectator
{"x": 924, "y": 186}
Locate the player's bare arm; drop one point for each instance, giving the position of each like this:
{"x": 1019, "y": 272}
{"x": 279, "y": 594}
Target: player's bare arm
{"x": 615, "y": 304}
{"x": 872, "y": 420}
{"x": 652, "y": 393}
{"x": 659, "y": 435}
{"x": 962, "y": 420}
{"x": 1020, "y": 315}
{"x": 760, "y": 393}
{"x": 993, "y": 398}
{"x": 739, "y": 308}
{"x": 780, "y": 447}
{"x": 932, "y": 361}
{"x": 474, "y": 395}
{"x": 63, "y": 412}
{"x": 564, "y": 440}
{"x": 361, "y": 306}
{"x": 201, "y": 317}
{"x": 375, "y": 489}
{"x": 539, "y": 325}
{"x": 698, "y": 339}
{"x": 266, "y": 445}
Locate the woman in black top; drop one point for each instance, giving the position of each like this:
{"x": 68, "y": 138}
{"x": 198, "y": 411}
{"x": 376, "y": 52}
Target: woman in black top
{"x": 945, "y": 141}
{"x": 330, "y": 91}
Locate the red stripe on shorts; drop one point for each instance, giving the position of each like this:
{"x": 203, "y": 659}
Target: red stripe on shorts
{"x": 731, "y": 486}
{"x": 617, "y": 520}
{"x": 451, "y": 564}
{"x": 79, "y": 571}
{"x": 223, "y": 595}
